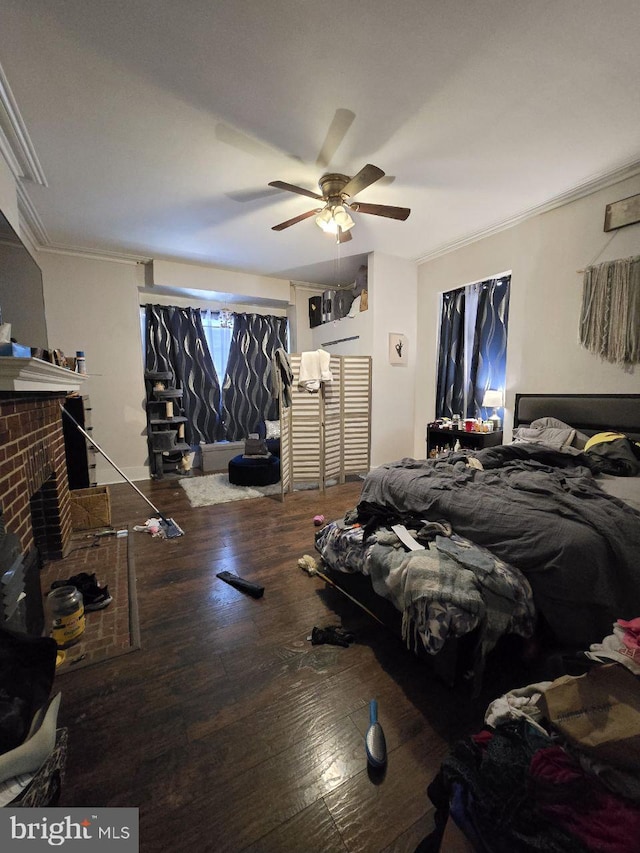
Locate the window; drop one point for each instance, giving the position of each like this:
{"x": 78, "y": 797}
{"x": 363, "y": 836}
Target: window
{"x": 218, "y": 327}
{"x": 473, "y": 346}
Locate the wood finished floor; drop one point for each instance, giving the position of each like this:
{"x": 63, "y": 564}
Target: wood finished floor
{"x": 228, "y": 729}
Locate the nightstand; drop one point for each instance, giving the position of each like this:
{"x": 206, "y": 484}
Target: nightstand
{"x": 445, "y": 439}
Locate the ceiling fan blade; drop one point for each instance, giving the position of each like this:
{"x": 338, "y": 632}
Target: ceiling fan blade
{"x": 381, "y": 210}
{"x": 281, "y": 185}
{"x": 366, "y": 176}
{"x": 254, "y": 194}
{"x": 295, "y": 219}
{"x": 341, "y": 123}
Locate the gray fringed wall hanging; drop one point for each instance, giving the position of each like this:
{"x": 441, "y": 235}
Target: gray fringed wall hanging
{"x": 610, "y": 315}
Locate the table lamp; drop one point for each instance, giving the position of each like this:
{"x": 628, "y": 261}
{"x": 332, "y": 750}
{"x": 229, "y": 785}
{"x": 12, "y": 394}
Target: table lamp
{"x": 493, "y": 400}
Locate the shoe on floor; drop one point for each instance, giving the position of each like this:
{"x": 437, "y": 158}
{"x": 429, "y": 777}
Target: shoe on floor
{"x": 95, "y": 597}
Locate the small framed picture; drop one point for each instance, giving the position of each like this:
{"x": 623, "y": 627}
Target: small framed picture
{"x": 398, "y": 348}
{"x": 621, "y": 213}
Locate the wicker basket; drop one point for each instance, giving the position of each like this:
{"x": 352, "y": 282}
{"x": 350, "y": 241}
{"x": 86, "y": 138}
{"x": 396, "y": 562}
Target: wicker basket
{"x": 90, "y": 508}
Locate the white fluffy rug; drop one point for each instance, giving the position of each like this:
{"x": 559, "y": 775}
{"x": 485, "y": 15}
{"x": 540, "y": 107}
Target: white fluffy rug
{"x": 216, "y": 489}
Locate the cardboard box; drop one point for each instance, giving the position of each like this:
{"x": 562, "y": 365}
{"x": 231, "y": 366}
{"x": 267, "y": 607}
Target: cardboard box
{"x": 90, "y": 508}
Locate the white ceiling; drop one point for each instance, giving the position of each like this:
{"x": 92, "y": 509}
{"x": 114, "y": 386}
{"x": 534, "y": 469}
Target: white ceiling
{"x": 158, "y": 124}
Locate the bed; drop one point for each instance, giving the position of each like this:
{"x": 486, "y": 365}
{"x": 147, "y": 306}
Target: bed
{"x": 543, "y": 532}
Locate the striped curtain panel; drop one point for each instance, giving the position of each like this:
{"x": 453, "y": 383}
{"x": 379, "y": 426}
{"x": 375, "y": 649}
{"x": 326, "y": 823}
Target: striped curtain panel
{"x": 247, "y": 396}
{"x": 489, "y": 352}
{"x": 451, "y": 373}
{"x": 176, "y": 341}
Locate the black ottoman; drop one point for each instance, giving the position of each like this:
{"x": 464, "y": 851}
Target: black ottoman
{"x": 254, "y": 472}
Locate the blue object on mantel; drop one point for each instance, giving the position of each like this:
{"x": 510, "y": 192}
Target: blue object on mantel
{"x": 15, "y": 350}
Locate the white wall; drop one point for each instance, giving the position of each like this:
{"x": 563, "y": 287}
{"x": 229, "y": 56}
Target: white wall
{"x": 301, "y": 332}
{"x": 199, "y": 277}
{"x": 544, "y": 255}
{"x": 392, "y": 295}
{"x": 92, "y": 305}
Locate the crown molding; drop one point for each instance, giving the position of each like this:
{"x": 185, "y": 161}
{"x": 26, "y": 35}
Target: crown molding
{"x": 15, "y": 143}
{"x": 33, "y": 228}
{"x": 593, "y": 184}
{"x": 7, "y": 152}
{"x": 94, "y": 255}
{"x": 30, "y": 220}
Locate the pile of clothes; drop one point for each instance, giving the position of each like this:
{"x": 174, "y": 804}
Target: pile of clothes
{"x": 622, "y": 646}
{"x": 558, "y": 767}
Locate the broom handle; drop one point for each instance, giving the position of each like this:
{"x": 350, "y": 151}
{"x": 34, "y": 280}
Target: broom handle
{"x": 108, "y": 458}
{"x": 350, "y": 597}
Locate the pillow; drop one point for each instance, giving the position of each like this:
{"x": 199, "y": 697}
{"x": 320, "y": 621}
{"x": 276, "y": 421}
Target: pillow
{"x": 559, "y": 439}
{"x": 579, "y": 439}
{"x": 273, "y": 429}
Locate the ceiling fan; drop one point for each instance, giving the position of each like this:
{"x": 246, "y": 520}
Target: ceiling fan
{"x": 334, "y": 216}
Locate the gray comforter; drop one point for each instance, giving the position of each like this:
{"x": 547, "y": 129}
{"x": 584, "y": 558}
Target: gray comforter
{"x": 539, "y": 510}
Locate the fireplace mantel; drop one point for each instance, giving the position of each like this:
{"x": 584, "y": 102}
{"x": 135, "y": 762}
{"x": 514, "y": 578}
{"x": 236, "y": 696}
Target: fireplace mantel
{"x": 34, "y": 374}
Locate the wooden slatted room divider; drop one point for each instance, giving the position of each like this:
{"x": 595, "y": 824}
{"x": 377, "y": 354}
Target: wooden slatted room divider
{"x": 326, "y": 435}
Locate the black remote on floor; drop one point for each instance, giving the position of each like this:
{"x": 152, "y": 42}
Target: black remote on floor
{"x": 253, "y": 589}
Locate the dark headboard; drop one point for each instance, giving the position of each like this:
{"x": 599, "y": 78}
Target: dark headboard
{"x": 589, "y": 413}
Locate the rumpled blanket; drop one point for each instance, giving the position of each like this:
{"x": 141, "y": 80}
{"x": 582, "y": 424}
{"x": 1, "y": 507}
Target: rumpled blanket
{"x": 453, "y": 571}
{"x": 345, "y": 549}
{"x": 445, "y": 590}
{"x": 539, "y": 510}
{"x": 620, "y": 457}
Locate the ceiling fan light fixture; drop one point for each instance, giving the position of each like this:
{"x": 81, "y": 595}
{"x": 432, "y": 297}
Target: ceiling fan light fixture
{"x": 325, "y": 221}
{"x": 334, "y": 217}
{"x": 342, "y": 218}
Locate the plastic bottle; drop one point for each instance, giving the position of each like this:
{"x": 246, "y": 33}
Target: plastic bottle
{"x": 81, "y": 365}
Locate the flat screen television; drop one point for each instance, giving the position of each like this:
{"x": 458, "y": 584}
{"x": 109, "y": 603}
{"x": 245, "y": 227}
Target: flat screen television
{"x": 21, "y": 292}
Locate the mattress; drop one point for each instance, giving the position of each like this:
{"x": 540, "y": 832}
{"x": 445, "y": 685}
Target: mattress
{"x": 627, "y": 489}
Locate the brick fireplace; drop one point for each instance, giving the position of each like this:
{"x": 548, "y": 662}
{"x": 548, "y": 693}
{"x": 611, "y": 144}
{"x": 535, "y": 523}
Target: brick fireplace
{"x": 34, "y": 493}
{"x": 35, "y": 505}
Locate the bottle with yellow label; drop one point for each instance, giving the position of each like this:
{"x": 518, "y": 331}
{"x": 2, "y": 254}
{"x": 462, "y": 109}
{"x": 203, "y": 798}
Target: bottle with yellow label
{"x": 66, "y": 615}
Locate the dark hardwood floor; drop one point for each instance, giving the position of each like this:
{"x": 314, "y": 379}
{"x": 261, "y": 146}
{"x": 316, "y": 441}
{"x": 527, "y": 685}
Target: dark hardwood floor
{"x": 228, "y": 729}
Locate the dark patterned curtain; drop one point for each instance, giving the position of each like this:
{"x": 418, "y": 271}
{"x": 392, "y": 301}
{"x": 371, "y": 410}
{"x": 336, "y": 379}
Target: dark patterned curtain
{"x": 450, "y": 388}
{"x": 176, "y": 341}
{"x": 247, "y": 396}
{"x": 489, "y": 354}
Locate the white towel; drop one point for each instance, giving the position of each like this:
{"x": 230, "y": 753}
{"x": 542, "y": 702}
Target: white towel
{"x": 325, "y": 362}
{"x": 314, "y": 369}
{"x": 310, "y": 375}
